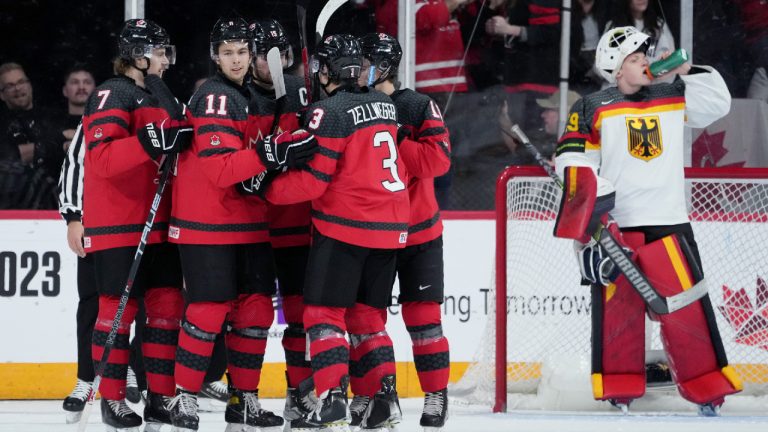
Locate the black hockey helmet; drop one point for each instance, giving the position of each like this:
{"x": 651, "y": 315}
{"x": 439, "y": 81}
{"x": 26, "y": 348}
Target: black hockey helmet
{"x": 342, "y": 55}
{"x": 228, "y": 29}
{"x": 384, "y": 52}
{"x": 140, "y": 36}
{"x": 268, "y": 34}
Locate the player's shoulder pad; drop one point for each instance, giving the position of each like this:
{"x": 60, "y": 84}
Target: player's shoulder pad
{"x": 665, "y": 90}
{"x": 119, "y": 92}
{"x": 414, "y": 108}
{"x": 219, "y": 98}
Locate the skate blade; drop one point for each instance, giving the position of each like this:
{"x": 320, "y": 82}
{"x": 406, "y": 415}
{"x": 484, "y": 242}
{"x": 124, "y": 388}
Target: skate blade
{"x": 153, "y": 427}
{"x": 210, "y": 405}
{"x": 128, "y": 429}
{"x": 263, "y": 429}
{"x": 73, "y": 416}
{"x": 336, "y": 427}
{"x": 235, "y": 427}
{"x": 181, "y": 429}
{"x": 432, "y": 429}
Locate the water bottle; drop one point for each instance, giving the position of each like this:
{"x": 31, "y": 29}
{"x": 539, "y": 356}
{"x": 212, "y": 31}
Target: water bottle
{"x": 665, "y": 65}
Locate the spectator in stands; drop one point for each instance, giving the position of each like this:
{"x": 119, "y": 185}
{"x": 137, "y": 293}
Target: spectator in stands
{"x": 754, "y": 15}
{"x": 645, "y": 16}
{"x": 31, "y": 153}
{"x": 588, "y": 19}
{"x": 440, "y": 72}
{"x": 78, "y": 85}
{"x": 531, "y": 33}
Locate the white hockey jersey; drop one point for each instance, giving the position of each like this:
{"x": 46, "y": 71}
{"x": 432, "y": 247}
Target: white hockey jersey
{"x": 635, "y": 142}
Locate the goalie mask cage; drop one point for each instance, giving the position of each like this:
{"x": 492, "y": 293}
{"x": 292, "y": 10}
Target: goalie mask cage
{"x": 544, "y": 336}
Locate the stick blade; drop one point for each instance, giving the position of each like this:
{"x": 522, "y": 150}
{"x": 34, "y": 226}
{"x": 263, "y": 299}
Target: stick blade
{"x": 325, "y": 15}
{"x": 275, "y": 64}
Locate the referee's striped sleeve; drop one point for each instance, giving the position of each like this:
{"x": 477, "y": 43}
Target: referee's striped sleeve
{"x": 71, "y": 178}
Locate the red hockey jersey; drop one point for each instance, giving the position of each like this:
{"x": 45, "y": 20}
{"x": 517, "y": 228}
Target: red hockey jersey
{"x": 207, "y": 208}
{"x": 355, "y": 181}
{"x": 289, "y": 225}
{"x": 426, "y": 153}
{"x": 119, "y": 181}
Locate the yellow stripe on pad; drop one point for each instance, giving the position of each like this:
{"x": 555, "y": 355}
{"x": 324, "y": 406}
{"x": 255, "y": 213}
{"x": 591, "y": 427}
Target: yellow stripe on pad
{"x": 677, "y": 263}
{"x": 597, "y": 386}
{"x": 733, "y": 377}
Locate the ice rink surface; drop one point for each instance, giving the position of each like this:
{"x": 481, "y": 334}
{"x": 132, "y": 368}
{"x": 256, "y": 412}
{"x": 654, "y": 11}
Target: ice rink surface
{"x": 47, "y": 416}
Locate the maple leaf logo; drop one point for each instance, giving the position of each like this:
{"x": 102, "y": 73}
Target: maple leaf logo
{"x": 708, "y": 150}
{"x": 749, "y": 321}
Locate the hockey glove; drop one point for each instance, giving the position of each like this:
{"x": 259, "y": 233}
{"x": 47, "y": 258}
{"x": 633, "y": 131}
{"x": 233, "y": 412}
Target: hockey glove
{"x": 257, "y": 185}
{"x": 287, "y": 150}
{"x": 166, "y": 137}
{"x": 594, "y": 263}
{"x": 403, "y": 132}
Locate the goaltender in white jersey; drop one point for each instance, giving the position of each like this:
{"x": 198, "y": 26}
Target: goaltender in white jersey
{"x": 635, "y": 142}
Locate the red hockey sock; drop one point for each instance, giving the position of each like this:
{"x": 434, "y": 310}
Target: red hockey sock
{"x": 112, "y": 385}
{"x": 165, "y": 307}
{"x": 430, "y": 347}
{"x": 327, "y": 345}
{"x": 202, "y": 322}
{"x": 298, "y": 368}
{"x": 371, "y": 354}
{"x": 247, "y": 340}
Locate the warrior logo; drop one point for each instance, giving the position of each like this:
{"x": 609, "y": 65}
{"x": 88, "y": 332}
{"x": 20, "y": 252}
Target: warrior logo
{"x": 644, "y": 137}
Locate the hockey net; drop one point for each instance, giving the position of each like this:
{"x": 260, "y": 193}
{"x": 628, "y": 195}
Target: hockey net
{"x": 541, "y": 346}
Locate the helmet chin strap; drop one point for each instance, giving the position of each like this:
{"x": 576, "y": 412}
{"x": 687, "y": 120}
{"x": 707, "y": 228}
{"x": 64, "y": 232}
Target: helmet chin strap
{"x": 134, "y": 63}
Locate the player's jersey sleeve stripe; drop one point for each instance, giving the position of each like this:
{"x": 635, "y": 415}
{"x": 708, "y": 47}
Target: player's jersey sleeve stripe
{"x": 236, "y": 227}
{"x": 329, "y": 153}
{"x": 110, "y": 120}
{"x": 318, "y": 174}
{"x": 432, "y": 131}
{"x": 124, "y": 229}
{"x": 212, "y": 128}
{"x": 373, "y": 226}
{"x": 215, "y": 151}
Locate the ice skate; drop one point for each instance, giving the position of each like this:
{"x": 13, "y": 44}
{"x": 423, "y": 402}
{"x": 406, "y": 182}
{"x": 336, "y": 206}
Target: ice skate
{"x": 244, "y": 413}
{"x": 75, "y": 402}
{"x": 118, "y": 416}
{"x": 183, "y": 409}
{"x": 435, "y": 411}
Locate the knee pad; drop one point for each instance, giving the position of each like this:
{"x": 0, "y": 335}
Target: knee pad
{"x": 108, "y": 310}
{"x": 421, "y": 313}
{"x": 317, "y": 315}
{"x": 207, "y": 316}
{"x": 364, "y": 319}
{"x": 293, "y": 308}
{"x": 164, "y": 306}
{"x": 252, "y": 310}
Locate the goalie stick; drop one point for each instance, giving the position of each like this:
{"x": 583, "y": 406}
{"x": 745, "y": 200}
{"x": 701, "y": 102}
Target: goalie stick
{"x": 636, "y": 278}
{"x": 158, "y": 88}
{"x": 322, "y": 20}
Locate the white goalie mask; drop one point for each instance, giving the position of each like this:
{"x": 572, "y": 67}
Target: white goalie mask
{"x": 614, "y": 46}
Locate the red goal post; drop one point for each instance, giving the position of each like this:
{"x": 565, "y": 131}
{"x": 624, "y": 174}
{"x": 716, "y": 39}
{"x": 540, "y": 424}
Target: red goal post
{"x": 728, "y": 208}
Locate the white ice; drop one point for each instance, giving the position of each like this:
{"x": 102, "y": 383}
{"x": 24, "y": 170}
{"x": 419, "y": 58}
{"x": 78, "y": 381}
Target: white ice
{"x": 47, "y": 416}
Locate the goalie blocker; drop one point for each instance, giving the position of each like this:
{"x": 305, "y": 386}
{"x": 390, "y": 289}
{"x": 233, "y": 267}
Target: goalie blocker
{"x": 669, "y": 260}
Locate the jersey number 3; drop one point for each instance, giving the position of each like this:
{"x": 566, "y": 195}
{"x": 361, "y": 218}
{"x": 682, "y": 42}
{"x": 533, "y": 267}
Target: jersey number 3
{"x": 389, "y": 163}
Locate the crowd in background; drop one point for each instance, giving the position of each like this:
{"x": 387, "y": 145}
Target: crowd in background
{"x": 488, "y": 63}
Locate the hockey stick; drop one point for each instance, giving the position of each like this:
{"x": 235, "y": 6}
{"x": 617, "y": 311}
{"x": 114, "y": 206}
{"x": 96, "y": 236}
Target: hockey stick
{"x": 636, "y": 278}
{"x": 159, "y": 89}
{"x": 275, "y": 64}
{"x": 322, "y": 21}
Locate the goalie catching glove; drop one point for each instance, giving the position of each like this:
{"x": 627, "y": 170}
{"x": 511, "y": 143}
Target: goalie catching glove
{"x": 287, "y": 150}
{"x": 166, "y": 137}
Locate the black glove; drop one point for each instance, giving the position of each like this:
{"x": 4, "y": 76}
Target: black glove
{"x": 287, "y": 149}
{"x": 19, "y": 133}
{"x": 257, "y": 185}
{"x": 595, "y": 265}
{"x": 167, "y": 137}
{"x": 403, "y": 132}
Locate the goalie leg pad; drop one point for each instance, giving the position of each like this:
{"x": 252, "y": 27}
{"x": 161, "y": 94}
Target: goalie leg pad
{"x": 689, "y": 335}
{"x": 618, "y": 340}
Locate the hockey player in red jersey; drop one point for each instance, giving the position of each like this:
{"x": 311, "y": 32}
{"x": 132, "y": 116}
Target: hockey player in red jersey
{"x": 622, "y": 151}
{"x": 360, "y": 213}
{"x": 289, "y": 225}
{"x": 121, "y": 168}
{"x": 223, "y": 239}
{"x": 424, "y": 147}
